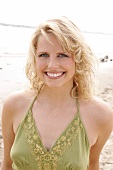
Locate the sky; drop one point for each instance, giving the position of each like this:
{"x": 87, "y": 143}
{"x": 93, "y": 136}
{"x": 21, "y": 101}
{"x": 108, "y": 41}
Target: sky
{"x": 88, "y": 15}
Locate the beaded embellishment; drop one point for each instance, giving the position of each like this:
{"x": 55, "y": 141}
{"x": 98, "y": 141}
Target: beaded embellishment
{"x": 47, "y": 160}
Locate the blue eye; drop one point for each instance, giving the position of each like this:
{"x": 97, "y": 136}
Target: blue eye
{"x": 43, "y": 55}
{"x": 62, "y": 55}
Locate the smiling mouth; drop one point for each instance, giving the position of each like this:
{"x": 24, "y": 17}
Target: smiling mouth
{"x": 54, "y": 75}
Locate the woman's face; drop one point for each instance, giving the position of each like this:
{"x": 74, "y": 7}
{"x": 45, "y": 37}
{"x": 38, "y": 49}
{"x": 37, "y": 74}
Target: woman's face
{"x": 54, "y": 66}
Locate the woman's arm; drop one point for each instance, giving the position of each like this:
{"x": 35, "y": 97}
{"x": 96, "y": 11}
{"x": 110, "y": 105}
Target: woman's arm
{"x": 105, "y": 127}
{"x": 8, "y": 134}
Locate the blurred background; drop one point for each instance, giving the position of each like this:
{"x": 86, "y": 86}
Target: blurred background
{"x": 18, "y": 19}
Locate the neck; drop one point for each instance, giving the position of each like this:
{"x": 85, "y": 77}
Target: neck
{"x": 57, "y": 94}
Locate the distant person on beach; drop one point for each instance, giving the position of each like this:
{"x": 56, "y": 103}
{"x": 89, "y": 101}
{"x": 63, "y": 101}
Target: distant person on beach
{"x": 58, "y": 123}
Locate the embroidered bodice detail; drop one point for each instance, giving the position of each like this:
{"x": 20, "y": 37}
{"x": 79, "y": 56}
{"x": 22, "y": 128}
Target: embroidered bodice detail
{"x": 47, "y": 160}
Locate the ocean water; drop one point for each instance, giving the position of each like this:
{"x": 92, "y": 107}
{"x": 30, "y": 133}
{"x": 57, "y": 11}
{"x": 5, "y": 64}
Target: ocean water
{"x": 14, "y": 39}
{"x": 17, "y": 39}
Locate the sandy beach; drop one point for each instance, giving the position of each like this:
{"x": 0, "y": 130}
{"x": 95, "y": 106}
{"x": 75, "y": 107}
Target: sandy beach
{"x": 12, "y": 78}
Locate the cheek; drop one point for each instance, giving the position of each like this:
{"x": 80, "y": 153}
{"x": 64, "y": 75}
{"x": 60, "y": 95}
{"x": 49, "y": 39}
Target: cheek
{"x": 40, "y": 65}
{"x": 71, "y": 66}
{"x": 73, "y": 69}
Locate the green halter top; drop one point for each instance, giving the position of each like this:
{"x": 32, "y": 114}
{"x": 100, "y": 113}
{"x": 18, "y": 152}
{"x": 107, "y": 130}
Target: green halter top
{"x": 70, "y": 152}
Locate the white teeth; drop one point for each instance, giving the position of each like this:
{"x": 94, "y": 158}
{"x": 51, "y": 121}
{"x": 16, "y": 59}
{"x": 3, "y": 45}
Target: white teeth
{"x": 54, "y": 74}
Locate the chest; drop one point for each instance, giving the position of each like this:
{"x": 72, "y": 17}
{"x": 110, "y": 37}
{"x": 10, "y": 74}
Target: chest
{"x": 51, "y": 124}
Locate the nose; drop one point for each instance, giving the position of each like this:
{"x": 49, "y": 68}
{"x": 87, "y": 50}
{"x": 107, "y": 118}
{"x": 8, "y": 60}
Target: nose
{"x": 53, "y": 63}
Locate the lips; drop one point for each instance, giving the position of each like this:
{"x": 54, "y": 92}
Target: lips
{"x": 54, "y": 75}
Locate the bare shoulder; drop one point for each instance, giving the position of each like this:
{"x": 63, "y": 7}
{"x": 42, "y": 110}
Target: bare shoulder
{"x": 98, "y": 111}
{"x": 18, "y": 98}
{"x": 16, "y": 106}
{"x": 102, "y": 110}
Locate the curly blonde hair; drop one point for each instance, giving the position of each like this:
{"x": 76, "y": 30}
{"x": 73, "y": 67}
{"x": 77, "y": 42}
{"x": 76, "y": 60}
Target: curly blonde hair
{"x": 72, "y": 41}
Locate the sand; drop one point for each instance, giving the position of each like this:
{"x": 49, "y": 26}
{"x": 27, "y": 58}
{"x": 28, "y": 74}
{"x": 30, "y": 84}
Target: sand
{"x": 12, "y": 78}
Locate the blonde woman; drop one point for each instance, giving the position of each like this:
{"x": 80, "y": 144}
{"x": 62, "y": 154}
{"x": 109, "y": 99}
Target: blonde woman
{"x": 58, "y": 123}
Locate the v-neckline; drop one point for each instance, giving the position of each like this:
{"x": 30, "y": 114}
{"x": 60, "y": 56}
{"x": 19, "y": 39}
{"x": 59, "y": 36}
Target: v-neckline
{"x": 58, "y": 138}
